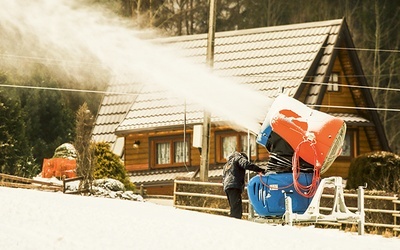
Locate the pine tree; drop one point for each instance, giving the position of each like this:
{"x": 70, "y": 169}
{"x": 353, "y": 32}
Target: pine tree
{"x": 50, "y": 120}
{"x": 15, "y": 152}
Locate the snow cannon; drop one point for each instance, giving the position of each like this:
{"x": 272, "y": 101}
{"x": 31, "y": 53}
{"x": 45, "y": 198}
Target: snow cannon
{"x": 315, "y": 136}
{"x": 267, "y": 193}
{"x": 314, "y": 140}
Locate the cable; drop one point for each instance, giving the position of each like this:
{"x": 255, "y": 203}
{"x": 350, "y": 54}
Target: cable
{"x": 65, "y": 89}
{"x": 274, "y": 187}
{"x": 359, "y": 108}
{"x": 365, "y": 49}
{"x": 280, "y": 76}
{"x": 307, "y": 191}
{"x": 41, "y": 59}
{"x": 134, "y": 94}
{"x": 354, "y": 86}
{"x": 58, "y": 61}
{"x": 324, "y": 47}
{"x": 306, "y": 82}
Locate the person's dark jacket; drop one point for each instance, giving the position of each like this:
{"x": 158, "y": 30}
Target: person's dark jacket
{"x": 235, "y": 169}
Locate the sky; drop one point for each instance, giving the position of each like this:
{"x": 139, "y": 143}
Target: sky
{"x": 33, "y": 219}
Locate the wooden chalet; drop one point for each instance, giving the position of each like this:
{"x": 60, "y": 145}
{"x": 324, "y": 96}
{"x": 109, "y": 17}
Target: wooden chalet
{"x": 313, "y": 62}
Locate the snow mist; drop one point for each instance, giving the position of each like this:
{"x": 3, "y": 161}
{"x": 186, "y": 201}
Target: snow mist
{"x": 82, "y": 42}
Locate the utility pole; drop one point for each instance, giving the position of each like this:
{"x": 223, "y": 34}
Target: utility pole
{"x": 250, "y": 208}
{"x": 205, "y": 149}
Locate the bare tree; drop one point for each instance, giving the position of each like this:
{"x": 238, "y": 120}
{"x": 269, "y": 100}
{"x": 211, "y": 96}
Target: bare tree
{"x": 385, "y": 67}
{"x": 84, "y": 146}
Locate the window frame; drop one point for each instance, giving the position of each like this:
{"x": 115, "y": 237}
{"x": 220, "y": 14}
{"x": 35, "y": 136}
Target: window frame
{"x": 333, "y": 84}
{"x": 219, "y": 152}
{"x": 171, "y": 140}
{"x": 351, "y": 138}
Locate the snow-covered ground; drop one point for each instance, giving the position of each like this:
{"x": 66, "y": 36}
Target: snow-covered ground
{"x": 43, "y": 220}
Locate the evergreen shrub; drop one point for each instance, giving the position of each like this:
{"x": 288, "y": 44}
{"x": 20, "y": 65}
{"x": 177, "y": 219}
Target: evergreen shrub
{"x": 380, "y": 170}
{"x": 109, "y": 165}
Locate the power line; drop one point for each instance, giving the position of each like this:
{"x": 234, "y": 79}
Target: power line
{"x": 288, "y": 78}
{"x": 66, "y": 89}
{"x": 46, "y": 59}
{"x": 125, "y": 93}
{"x": 324, "y": 47}
{"x": 359, "y": 108}
{"x": 37, "y": 58}
{"x": 278, "y": 76}
{"x": 366, "y": 49}
{"x": 354, "y": 86}
{"x": 59, "y": 61}
{"x": 336, "y": 84}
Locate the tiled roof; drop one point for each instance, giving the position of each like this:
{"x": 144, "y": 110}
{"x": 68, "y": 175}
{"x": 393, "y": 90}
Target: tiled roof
{"x": 266, "y": 59}
{"x": 161, "y": 175}
{"x": 113, "y": 110}
{"x": 167, "y": 176}
{"x": 352, "y": 118}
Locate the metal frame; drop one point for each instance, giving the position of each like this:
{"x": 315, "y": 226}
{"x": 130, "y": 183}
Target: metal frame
{"x": 339, "y": 211}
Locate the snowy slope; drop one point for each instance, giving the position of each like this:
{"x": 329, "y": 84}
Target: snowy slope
{"x": 43, "y": 220}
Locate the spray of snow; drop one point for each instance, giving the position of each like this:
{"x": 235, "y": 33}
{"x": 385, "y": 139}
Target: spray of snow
{"x": 83, "y": 43}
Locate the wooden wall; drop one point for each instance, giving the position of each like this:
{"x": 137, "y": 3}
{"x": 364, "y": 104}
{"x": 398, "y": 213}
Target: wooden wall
{"x": 137, "y": 159}
{"x": 160, "y": 190}
{"x": 346, "y": 97}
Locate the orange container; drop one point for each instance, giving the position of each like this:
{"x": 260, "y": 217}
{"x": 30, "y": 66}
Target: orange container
{"x": 59, "y": 167}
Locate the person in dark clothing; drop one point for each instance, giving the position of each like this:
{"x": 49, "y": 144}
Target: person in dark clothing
{"x": 233, "y": 180}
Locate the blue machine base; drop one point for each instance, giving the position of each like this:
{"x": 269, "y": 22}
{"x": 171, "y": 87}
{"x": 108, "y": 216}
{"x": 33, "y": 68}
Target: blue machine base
{"x": 267, "y": 196}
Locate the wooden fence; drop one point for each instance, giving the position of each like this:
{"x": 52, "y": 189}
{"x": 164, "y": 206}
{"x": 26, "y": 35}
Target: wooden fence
{"x": 382, "y": 213}
{"x": 66, "y": 180}
{"x": 21, "y": 182}
{"x": 7, "y": 180}
{"x": 211, "y": 199}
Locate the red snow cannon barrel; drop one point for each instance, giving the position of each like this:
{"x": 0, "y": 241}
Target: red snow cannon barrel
{"x": 315, "y": 136}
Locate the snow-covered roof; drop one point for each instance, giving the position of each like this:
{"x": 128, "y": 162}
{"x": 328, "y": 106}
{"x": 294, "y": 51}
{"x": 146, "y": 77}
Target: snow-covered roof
{"x": 265, "y": 59}
{"x": 268, "y": 60}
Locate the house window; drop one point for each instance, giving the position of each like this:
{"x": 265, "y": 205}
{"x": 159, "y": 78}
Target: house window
{"x": 180, "y": 151}
{"x": 245, "y": 142}
{"x": 229, "y": 144}
{"x": 168, "y": 152}
{"x": 226, "y": 143}
{"x": 163, "y": 153}
{"x": 348, "y": 147}
{"x": 333, "y": 84}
